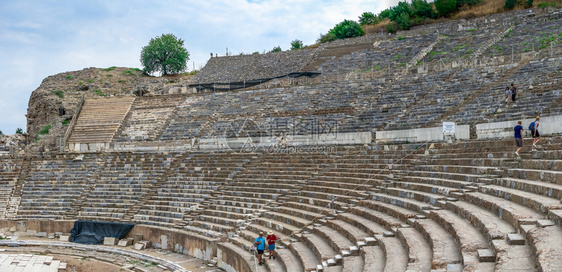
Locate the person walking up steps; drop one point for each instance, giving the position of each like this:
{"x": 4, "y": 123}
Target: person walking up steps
{"x": 518, "y": 138}
{"x": 534, "y": 128}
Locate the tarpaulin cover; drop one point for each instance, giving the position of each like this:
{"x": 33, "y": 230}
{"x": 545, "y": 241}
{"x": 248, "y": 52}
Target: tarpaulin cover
{"x": 230, "y": 86}
{"x": 93, "y": 232}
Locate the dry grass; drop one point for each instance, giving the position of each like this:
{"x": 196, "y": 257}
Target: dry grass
{"x": 369, "y": 29}
{"x": 493, "y": 7}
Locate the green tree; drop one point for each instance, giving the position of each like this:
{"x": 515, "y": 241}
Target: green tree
{"x": 470, "y": 3}
{"x": 368, "y": 18}
{"x": 276, "y": 49}
{"x": 19, "y": 131}
{"x": 398, "y": 10}
{"x": 422, "y": 9}
{"x": 165, "y": 54}
{"x": 404, "y": 21}
{"x": 445, "y": 7}
{"x": 296, "y": 44}
{"x": 385, "y": 13}
{"x": 347, "y": 29}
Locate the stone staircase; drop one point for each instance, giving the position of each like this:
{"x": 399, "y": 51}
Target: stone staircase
{"x": 100, "y": 119}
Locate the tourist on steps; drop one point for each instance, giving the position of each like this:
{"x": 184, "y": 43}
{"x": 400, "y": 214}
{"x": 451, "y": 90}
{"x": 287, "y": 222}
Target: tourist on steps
{"x": 507, "y": 95}
{"x": 513, "y": 92}
{"x": 260, "y": 247}
{"x": 534, "y": 128}
{"x": 518, "y": 138}
{"x": 271, "y": 238}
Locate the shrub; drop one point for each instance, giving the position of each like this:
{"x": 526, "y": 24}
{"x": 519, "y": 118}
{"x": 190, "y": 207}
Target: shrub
{"x": 65, "y": 123}
{"x": 509, "y": 4}
{"x": 276, "y": 49}
{"x": 18, "y": 131}
{"x": 59, "y": 94}
{"x": 69, "y": 77}
{"x": 422, "y": 9}
{"x": 445, "y": 7}
{"x": 98, "y": 92}
{"x": 404, "y": 21}
{"x": 296, "y": 44}
{"x": 528, "y": 3}
{"x": 391, "y": 27}
{"x": 400, "y": 37}
{"x": 109, "y": 69}
{"x": 347, "y": 29}
{"x": 368, "y": 18}
{"x": 45, "y": 130}
{"x": 546, "y": 5}
{"x": 328, "y": 37}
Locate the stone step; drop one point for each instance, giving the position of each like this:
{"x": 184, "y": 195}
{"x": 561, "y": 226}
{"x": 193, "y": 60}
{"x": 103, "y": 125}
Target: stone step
{"x": 470, "y": 240}
{"x": 306, "y": 256}
{"x": 418, "y": 249}
{"x": 319, "y": 246}
{"x": 396, "y": 256}
{"x": 443, "y": 245}
{"x": 539, "y": 203}
{"x": 373, "y": 259}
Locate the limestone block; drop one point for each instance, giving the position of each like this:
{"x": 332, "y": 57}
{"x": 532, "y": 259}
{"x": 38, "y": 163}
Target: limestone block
{"x": 110, "y": 241}
{"x": 486, "y": 255}
{"x": 545, "y": 223}
{"x": 41, "y": 235}
{"x": 515, "y": 239}
{"x": 125, "y": 242}
{"x": 64, "y": 238}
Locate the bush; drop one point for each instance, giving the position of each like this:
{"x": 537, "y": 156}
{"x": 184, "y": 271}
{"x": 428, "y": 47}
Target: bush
{"x": 18, "y": 131}
{"x": 59, "y": 94}
{"x": 509, "y": 4}
{"x": 347, "y": 29}
{"x": 546, "y": 5}
{"x": 470, "y": 3}
{"x": 400, "y": 37}
{"x": 445, "y": 7}
{"x": 404, "y": 21}
{"x": 45, "y": 130}
{"x": 368, "y": 18}
{"x": 422, "y": 9}
{"x": 296, "y": 44}
{"x": 276, "y": 49}
{"x": 328, "y": 37}
{"x": 109, "y": 69}
{"x": 391, "y": 27}
{"x": 528, "y": 3}
{"x": 69, "y": 77}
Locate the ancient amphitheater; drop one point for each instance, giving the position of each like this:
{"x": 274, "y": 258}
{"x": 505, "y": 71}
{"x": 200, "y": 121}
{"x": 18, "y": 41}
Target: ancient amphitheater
{"x": 350, "y": 169}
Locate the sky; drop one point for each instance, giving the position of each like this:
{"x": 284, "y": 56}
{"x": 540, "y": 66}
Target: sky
{"x": 39, "y": 38}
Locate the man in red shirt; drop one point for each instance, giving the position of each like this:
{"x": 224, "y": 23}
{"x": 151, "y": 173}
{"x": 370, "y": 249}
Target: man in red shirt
{"x": 271, "y": 238}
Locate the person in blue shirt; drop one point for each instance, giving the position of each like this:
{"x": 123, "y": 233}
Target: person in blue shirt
{"x": 260, "y": 247}
{"x": 518, "y": 138}
{"x": 536, "y": 134}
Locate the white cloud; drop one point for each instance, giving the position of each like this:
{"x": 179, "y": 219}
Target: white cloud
{"x": 39, "y": 39}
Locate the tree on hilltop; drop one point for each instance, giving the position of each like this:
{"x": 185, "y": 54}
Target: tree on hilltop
{"x": 165, "y": 54}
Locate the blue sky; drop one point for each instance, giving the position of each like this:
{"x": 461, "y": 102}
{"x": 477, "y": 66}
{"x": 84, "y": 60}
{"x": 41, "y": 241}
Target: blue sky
{"x": 46, "y": 37}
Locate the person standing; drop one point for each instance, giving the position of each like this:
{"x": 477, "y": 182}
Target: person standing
{"x": 513, "y": 92}
{"x": 271, "y": 238}
{"x": 518, "y": 138}
{"x": 507, "y": 95}
{"x": 260, "y": 247}
{"x": 534, "y": 128}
